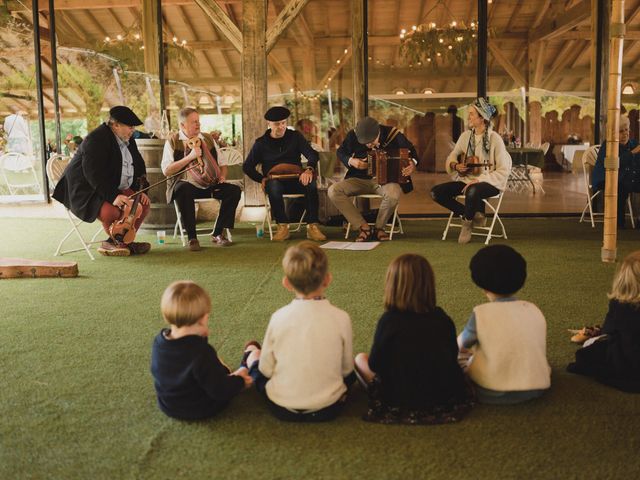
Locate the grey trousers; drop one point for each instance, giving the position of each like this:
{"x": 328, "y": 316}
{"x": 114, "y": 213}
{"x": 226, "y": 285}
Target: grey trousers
{"x": 340, "y": 194}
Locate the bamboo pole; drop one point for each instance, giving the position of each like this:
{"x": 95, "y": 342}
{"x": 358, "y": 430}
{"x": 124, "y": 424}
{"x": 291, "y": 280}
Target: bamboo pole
{"x": 611, "y": 161}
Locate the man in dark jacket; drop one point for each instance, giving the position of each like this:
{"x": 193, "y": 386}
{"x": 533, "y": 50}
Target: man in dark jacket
{"x": 277, "y": 146}
{"x": 103, "y": 173}
{"x": 369, "y": 135}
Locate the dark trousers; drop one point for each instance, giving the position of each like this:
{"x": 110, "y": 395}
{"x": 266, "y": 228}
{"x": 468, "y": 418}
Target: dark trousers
{"x": 323, "y": 415}
{"x": 227, "y": 193}
{"x": 276, "y": 188}
{"x": 623, "y": 195}
{"x": 445, "y": 195}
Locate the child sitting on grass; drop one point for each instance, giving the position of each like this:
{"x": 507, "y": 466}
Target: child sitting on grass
{"x": 614, "y": 357}
{"x": 412, "y": 374}
{"x": 509, "y": 336}
{"x": 190, "y": 380}
{"x": 306, "y": 363}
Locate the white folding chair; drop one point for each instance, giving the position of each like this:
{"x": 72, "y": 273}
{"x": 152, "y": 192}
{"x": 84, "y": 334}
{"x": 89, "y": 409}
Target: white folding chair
{"x": 18, "y": 173}
{"x": 588, "y": 162}
{"x": 394, "y": 227}
{"x": 482, "y": 231}
{"x": 291, "y": 196}
{"x": 229, "y": 157}
{"x": 55, "y": 168}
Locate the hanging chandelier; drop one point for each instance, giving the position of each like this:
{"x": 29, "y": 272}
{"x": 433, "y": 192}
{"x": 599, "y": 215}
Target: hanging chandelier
{"x": 429, "y": 44}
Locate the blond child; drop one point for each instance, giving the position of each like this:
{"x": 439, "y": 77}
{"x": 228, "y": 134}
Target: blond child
{"x": 191, "y": 382}
{"x": 306, "y": 364}
{"x": 614, "y": 357}
{"x": 412, "y": 374}
{"x": 508, "y": 337}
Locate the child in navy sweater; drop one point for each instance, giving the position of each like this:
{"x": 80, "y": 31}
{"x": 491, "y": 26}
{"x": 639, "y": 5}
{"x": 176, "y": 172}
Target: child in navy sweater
{"x": 190, "y": 380}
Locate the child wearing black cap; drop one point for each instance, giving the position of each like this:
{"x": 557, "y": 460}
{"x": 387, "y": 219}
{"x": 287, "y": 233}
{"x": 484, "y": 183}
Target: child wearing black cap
{"x": 507, "y": 336}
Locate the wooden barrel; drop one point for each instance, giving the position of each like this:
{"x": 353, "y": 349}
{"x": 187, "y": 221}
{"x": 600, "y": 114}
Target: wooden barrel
{"x": 161, "y": 215}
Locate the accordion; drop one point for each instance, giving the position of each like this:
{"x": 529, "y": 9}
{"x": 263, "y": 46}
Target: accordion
{"x": 387, "y": 165}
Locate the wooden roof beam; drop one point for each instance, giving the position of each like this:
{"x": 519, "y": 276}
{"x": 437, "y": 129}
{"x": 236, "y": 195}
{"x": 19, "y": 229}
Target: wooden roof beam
{"x": 507, "y": 65}
{"x": 222, "y": 22}
{"x": 189, "y": 24}
{"x": 563, "y": 23}
{"x": 330, "y": 75}
{"x": 286, "y": 16}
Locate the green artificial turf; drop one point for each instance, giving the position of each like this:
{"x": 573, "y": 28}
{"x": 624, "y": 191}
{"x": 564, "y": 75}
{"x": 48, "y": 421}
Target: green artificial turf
{"x": 77, "y": 398}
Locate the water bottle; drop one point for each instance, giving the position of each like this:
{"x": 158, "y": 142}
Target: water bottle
{"x": 259, "y": 231}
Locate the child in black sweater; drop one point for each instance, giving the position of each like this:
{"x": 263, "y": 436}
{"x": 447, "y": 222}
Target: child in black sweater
{"x": 190, "y": 380}
{"x": 412, "y": 374}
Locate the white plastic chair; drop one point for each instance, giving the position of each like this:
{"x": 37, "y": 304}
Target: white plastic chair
{"x": 55, "y": 168}
{"x": 487, "y": 232}
{"x": 228, "y": 156}
{"x": 22, "y": 176}
{"x": 588, "y": 162}
{"x": 394, "y": 227}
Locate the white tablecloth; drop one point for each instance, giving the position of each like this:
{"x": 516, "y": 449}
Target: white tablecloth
{"x": 568, "y": 151}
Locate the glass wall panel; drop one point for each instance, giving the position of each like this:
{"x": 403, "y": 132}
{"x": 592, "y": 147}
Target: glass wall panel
{"x": 310, "y": 72}
{"x": 422, "y": 70}
{"x": 541, "y": 78}
{"x": 20, "y": 161}
{"x": 203, "y": 69}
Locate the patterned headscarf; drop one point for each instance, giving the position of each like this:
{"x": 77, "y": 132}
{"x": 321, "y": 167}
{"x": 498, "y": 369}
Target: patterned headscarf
{"x": 484, "y": 108}
{"x": 486, "y": 111}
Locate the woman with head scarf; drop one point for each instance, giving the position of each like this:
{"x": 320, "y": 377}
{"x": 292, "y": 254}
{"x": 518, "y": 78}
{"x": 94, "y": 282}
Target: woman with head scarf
{"x": 475, "y": 183}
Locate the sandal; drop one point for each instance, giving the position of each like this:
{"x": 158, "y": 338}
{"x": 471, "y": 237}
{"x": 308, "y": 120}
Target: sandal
{"x": 381, "y": 235}
{"x": 584, "y": 334}
{"x": 364, "y": 235}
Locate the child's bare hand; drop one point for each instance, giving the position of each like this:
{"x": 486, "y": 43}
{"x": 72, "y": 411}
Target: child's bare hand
{"x": 244, "y": 373}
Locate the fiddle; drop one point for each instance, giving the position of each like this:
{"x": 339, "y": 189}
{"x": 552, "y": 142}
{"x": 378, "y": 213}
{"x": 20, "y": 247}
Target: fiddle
{"x": 473, "y": 165}
{"x": 123, "y": 230}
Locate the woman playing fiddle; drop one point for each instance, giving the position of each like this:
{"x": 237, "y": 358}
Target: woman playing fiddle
{"x": 102, "y": 176}
{"x": 483, "y": 173}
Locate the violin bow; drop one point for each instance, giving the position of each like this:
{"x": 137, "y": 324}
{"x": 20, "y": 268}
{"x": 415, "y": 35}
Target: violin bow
{"x": 164, "y": 180}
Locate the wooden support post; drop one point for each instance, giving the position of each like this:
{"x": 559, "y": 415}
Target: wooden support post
{"x": 254, "y": 85}
{"x": 611, "y": 161}
{"x": 357, "y": 59}
{"x": 535, "y": 123}
{"x": 150, "y": 35}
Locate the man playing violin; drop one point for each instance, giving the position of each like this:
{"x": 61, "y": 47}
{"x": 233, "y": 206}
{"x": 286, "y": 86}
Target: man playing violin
{"x": 282, "y": 147}
{"x": 184, "y": 189}
{"x": 369, "y": 135}
{"x": 487, "y": 178}
{"x": 104, "y": 172}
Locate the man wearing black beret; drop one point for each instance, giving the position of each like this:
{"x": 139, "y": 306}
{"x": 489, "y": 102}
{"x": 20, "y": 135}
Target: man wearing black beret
{"x": 103, "y": 173}
{"x": 281, "y": 146}
{"x": 369, "y": 135}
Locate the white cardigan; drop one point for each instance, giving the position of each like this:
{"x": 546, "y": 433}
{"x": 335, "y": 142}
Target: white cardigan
{"x": 499, "y": 160}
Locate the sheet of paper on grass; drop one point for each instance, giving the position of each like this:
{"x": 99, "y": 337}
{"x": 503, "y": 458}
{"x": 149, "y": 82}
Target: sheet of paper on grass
{"x": 360, "y": 246}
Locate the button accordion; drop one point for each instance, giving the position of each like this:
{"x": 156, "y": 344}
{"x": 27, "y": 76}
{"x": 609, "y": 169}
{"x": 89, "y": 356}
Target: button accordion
{"x": 387, "y": 165}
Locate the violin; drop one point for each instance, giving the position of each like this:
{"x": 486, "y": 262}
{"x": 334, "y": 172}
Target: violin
{"x": 123, "y": 230}
{"x": 472, "y": 162}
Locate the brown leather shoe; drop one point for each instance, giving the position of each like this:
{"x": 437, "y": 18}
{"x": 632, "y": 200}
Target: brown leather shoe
{"x": 111, "y": 249}
{"x": 282, "y": 233}
{"x": 314, "y": 233}
{"x": 139, "y": 248}
{"x": 220, "y": 241}
{"x": 194, "y": 245}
